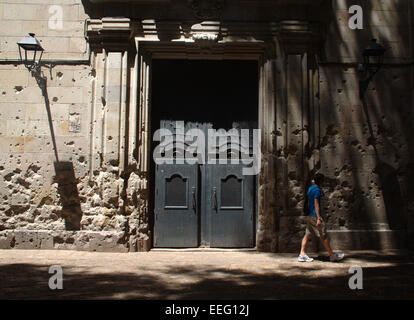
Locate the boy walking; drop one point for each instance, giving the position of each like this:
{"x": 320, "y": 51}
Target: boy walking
{"x": 315, "y": 224}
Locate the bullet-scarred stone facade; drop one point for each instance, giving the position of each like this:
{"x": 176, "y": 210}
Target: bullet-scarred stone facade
{"x": 75, "y": 138}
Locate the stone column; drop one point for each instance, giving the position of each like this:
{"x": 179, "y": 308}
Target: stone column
{"x": 266, "y": 229}
{"x": 139, "y": 155}
{"x": 297, "y": 132}
{"x": 111, "y": 44}
{"x": 293, "y": 161}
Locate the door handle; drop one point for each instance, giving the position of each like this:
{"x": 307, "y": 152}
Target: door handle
{"x": 215, "y": 199}
{"x": 194, "y": 199}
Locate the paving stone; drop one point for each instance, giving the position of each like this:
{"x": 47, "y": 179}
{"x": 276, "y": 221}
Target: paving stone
{"x": 203, "y": 274}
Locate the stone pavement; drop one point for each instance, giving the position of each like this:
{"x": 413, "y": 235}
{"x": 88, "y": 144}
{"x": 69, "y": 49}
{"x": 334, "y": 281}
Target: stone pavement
{"x": 206, "y": 274}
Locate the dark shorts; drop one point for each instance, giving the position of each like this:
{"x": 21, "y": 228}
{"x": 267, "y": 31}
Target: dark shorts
{"x": 311, "y": 227}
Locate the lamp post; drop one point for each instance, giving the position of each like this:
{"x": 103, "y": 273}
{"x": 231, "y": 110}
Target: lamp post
{"x": 31, "y": 47}
{"x": 373, "y": 61}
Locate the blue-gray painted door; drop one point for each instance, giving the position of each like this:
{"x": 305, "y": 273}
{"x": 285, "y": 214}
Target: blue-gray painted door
{"x": 230, "y": 207}
{"x": 176, "y": 206}
{"x": 203, "y": 204}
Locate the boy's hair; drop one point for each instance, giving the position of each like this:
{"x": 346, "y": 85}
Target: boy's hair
{"x": 318, "y": 178}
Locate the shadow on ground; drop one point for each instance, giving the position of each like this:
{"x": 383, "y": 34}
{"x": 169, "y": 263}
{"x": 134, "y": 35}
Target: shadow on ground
{"x": 395, "y": 280}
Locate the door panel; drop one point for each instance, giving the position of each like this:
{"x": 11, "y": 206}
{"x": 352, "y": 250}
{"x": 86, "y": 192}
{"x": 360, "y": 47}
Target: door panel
{"x": 176, "y": 206}
{"x": 230, "y": 207}
{"x": 230, "y": 200}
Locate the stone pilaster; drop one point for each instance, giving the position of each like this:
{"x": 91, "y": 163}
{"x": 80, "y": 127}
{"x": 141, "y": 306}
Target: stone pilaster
{"x": 296, "y": 129}
{"x": 266, "y": 229}
{"x": 113, "y": 127}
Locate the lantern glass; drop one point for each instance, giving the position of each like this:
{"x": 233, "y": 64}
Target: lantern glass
{"x": 373, "y": 56}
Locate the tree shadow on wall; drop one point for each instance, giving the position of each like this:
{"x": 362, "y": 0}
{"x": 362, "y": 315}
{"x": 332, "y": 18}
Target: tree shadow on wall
{"x": 393, "y": 198}
{"x": 69, "y": 195}
{"x": 384, "y": 112}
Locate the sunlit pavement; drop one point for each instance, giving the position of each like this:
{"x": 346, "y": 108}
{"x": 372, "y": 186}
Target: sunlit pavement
{"x": 24, "y": 274}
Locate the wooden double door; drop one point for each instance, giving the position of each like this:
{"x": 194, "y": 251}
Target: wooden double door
{"x": 204, "y": 204}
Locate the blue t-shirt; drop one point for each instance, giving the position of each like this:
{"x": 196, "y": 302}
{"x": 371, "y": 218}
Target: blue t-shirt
{"x": 313, "y": 193}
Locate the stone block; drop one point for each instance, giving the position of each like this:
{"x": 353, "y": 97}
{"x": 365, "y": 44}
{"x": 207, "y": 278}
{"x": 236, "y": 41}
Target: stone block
{"x": 15, "y": 11}
{"x": 15, "y": 78}
{"x": 15, "y": 127}
{"x": 79, "y": 240}
{"x": 6, "y": 239}
{"x": 82, "y": 77}
{"x": 3, "y": 127}
{"x": 100, "y": 241}
{"x": 25, "y": 239}
{"x": 67, "y": 95}
{"x": 366, "y": 239}
{"x": 36, "y": 112}
{"x": 37, "y": 144}
{"x": 144, "y": 244}
{"x": 69, "y": 27}
{"x": 45, "y": 240}
{"x": 25, "y": 96}
{"x": 78, "y": 44}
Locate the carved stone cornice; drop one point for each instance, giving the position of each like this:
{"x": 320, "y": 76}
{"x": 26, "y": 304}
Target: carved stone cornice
{"x": 295, "y": 37}
{"x": 221, "y": 10}
{"x": 207, "y": 9}
{"x": 110, "y": 33}
{"x": 205, "y": 35}
{"x": 298, "y": 25}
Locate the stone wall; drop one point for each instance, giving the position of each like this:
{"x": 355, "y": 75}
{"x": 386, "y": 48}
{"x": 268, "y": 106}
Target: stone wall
{"x": 363, "y": 147}
{"x": 47, "y": 197}
{"x": 91, "y": 192}
{"x": 367, "y": 145}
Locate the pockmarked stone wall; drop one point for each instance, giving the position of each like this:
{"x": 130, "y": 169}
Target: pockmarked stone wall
{"x": 57, "y": 197}
{"x": 367, "y": 144}
{"x": 364, "y": 147}
{"x": 73, "y": 162}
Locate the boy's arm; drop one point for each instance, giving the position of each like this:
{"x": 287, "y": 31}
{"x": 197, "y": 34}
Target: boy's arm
{"x": 317, "y": 212}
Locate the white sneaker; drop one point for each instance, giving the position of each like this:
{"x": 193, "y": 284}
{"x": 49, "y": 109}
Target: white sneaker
{"x": 305, "y": 258}
{"x": 337, "y": 257}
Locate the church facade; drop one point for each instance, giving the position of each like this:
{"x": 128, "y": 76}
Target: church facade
{"x": 78, "y": 134}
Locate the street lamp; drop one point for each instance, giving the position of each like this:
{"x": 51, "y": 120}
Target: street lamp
{"x": 31, "y": 47}
{"x": 373, "y": 61}
{"x": 373, "y": 56}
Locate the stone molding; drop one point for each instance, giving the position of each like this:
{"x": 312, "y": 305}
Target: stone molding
{"x": 206, "y": 35}
{"x": 295, "y": 36}
{"x": 109, "y": 33}
{"x": 298, "y": 37}
{"x": 217, "y": 5}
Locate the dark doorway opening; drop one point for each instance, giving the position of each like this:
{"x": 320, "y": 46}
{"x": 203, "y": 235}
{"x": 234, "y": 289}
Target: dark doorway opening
{"x": 212, "y": 91}
{"x": 217, "y": 94}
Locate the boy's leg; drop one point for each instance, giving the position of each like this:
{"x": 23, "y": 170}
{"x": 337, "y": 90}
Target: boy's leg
{"x": 334, "y": 257}
{"x": 323, "y": 235}
{"x": 327, "y": 245}
{"x": 305, "y": 241}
